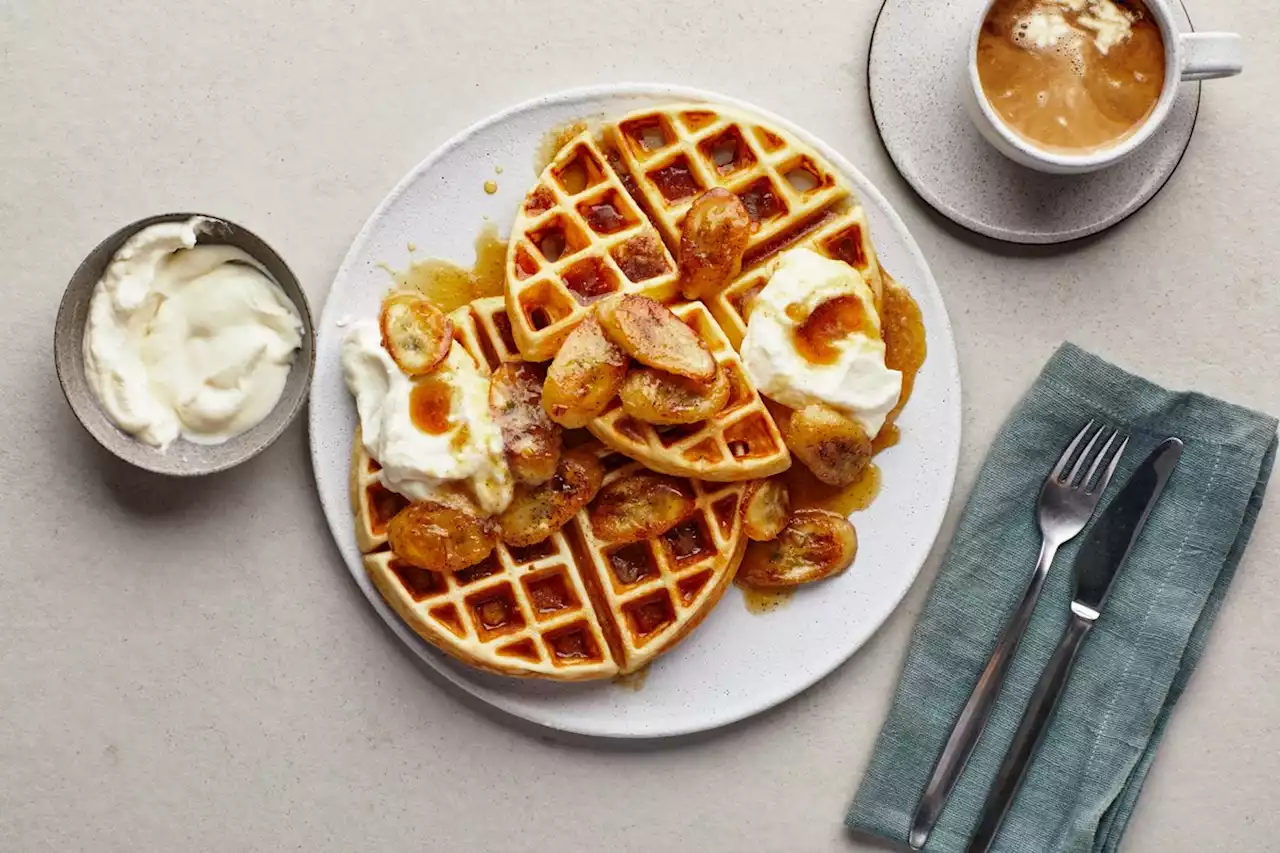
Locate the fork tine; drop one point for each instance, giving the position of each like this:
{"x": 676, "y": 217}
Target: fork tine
{"x": 1084, "y": 457}
{"x": 1111, "y": 469}
{"x": 1071, "y": 448}
{"x": 1097, "y": 463}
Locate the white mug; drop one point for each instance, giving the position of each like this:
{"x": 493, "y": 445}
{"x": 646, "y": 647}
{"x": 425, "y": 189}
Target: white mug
{"x": 1188, "y": 56}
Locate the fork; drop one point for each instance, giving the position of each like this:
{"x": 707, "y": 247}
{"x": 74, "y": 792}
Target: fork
{"x": 1066, "y": 504}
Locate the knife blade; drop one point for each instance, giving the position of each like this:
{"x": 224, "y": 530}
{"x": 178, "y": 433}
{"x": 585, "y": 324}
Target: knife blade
{"x": 1108, "y": 544}
{"x": 1105, "y": 549}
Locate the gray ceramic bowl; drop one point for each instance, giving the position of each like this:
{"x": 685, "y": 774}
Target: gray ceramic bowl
{"x": 182, "y": 458}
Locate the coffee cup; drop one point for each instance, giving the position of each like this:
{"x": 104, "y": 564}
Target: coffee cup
{"x": 1074, "y": 86}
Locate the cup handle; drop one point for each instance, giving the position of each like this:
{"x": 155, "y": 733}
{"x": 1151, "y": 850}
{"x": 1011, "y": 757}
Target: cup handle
{"x": 1209, "y": 55}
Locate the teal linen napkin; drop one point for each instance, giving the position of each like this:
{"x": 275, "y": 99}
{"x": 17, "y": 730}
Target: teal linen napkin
{"x": 1083, "y": 784}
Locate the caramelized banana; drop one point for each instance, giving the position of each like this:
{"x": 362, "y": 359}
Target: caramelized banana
{"x": 640, "y": 506}
{"x": 713, "y": 240}
{"x": 531, "y": 439}
{"x": 441, "y": 537}
{"x": 660, "y": 398}
{"x": 814, "y": 545}
{"x": 584, "y": 376}
{"x": 538, "y": 511}
{"x": 832, "y": 445}
{"x": 415, "y": 333}
{"x": 765, "y": 508}
{"x": 648, "y": 332}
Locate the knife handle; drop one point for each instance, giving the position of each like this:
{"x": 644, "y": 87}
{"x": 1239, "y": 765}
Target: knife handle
{"x": 973, "y": 718}
{"x": 1035, "y": 722}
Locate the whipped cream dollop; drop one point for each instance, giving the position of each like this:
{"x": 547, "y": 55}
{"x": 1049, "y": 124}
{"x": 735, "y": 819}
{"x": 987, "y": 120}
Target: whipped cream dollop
{"x": 852, "y": 376}
{"x": 424, "y": 459}
{"x": 187, "y": 340}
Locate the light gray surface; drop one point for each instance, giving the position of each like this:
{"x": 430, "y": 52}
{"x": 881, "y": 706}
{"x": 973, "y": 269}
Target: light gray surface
{"x": 188, "y": 666}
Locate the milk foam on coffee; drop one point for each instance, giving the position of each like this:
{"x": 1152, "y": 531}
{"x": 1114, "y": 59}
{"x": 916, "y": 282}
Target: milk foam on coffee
{"x": 1071, "y": 75}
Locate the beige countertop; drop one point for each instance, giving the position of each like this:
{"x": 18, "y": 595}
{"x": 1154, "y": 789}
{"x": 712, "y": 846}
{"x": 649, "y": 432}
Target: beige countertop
{"x": 188, "y": 666}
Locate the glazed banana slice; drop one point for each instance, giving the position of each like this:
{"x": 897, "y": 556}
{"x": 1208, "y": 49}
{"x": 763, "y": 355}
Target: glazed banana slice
{"x": 441, "y": 537}
{"x": 765, "y": 509}
{"x": 640, "y": 506}
{"x": 415, "y": 333}
{"x": 814, "y": 545}
{"x": 713, "y": 239}
{"x": 584, "y": 376}
{"x": 662, "y": 398}
{"x": 538, "y": 511}
{"x": 647, "y": 331}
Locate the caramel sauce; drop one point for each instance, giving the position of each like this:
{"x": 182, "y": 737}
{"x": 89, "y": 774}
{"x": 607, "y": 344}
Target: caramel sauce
{"x": 384, "y": 505}
{"x": 450, "y": 286}
{"x": 650, "y": 616}
{"x": 761, "y": 202}
{"x": 808, "y": 492}
{"x": 572, "y": 645}
{"x": 765, "y": 600}
{"x": 632, "y": 563}
{"x": 889, "y": 436}
{"x": 624, "y": 174}
{"x": 494, "y": 613}
{"x": 675, "y": 181}
{"x": 906, "y": 347}
{"x": 574, "y": 178}
{"x": 633, "y": 681}
{"x": 554, "y": 140}
{"x": 604, "y": 218}
{"x": 688, "y": 542}
{"x": 831, "y": 322}
{"x": 430, "y": 402}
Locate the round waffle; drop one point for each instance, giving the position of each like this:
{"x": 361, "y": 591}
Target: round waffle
{"x": 573, "y": 607}
{"x": 578, "y": 237}
{"x": 742, "y": 442}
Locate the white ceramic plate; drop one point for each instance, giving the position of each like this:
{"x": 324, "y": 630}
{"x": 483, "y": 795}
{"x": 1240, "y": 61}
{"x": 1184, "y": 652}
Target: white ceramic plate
{"x": 737, "y": 663}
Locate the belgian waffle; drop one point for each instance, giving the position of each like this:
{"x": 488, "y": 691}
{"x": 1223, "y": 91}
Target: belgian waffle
{"x": 574, "y": 607}
{"x": 578, "y": 237}
{"x": 740, "y": 443}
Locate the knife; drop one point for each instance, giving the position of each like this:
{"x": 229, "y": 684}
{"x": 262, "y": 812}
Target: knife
{"x": 1103, "y": 552}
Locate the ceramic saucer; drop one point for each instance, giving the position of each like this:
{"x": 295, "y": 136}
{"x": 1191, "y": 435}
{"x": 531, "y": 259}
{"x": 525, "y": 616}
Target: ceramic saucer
{"x": 915, "y": 75}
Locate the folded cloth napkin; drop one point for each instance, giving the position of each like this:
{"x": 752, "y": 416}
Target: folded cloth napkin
{"x": 1083, "y": 783}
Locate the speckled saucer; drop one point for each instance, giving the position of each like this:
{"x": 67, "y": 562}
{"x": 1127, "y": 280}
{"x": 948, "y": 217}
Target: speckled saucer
{"x": 915, "y": 78}
{"x": 182, "y": 458}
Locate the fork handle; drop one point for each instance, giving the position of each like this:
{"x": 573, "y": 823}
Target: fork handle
{"x": 1026, "y": 740}
{"x": 973, "y": 719}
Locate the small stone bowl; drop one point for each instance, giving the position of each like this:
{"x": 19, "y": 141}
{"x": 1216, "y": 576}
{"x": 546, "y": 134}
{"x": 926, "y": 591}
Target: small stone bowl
{"x": 182, "y": 458}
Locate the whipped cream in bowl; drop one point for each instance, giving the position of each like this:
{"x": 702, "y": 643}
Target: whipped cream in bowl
{"x": 184, "y": 344}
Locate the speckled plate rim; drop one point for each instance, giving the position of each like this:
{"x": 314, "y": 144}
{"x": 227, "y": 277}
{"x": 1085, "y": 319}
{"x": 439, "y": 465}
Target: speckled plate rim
{"x": 1028, "y": 238}
{"x": 512, "y": 695}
